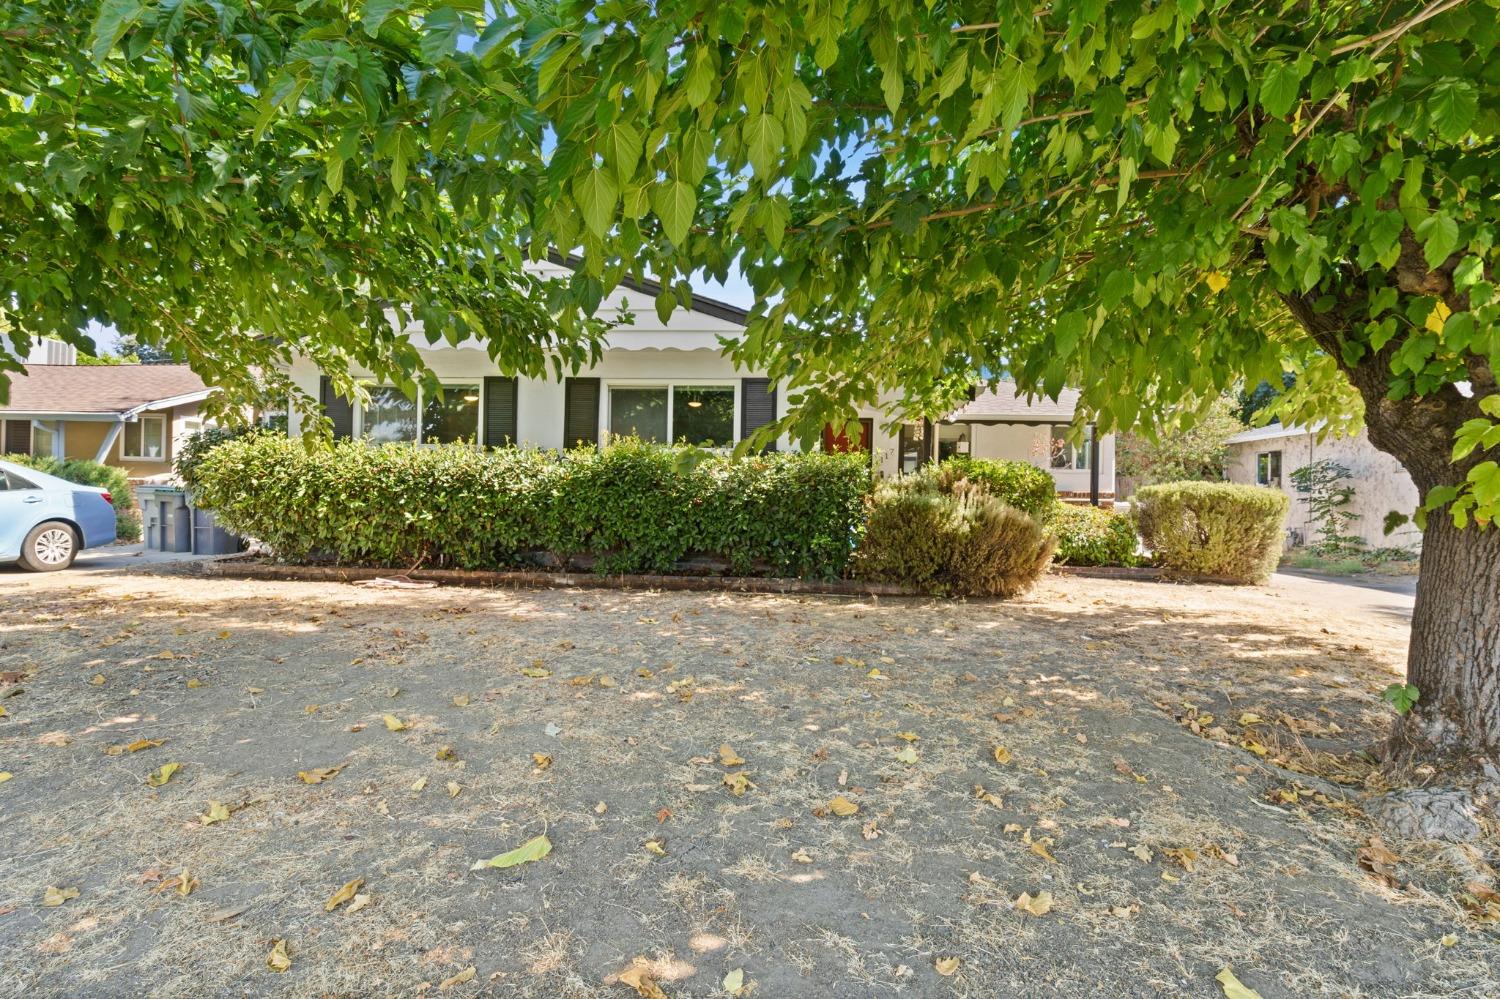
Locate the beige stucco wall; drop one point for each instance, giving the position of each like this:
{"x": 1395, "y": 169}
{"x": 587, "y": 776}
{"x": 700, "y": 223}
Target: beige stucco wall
{"x": 1380, "y": 483}
{"x": 83, "y": 438}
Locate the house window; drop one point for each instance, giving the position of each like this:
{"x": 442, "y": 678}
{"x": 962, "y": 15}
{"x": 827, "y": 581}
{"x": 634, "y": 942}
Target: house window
{"x": 47, "y": 437}
{"x": 1268, "y": 469}
{"x": 145, "y": 439}
{"x": 389, "y": 417}
{"x": 953, "y": 439}
{"x": 1067, "y": 455}
{"x": 909, "y": 447}
{"x": 701, "y": 415}
{"x": 638, "y": 412}
{"x": 452, "y": 416}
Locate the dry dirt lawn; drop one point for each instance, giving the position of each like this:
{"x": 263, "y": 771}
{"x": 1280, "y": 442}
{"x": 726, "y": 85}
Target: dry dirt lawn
{"x": 1170, "y": 845}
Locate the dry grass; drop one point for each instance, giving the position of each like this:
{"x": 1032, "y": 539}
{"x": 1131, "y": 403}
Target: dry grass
{"x": 1097, "y": 689}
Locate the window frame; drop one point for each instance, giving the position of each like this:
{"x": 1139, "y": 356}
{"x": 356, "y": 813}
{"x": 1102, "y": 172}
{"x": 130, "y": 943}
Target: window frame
{"x": 476, "y": 383}
{"x": 1077, "y": 456}
{"x": 608, "y": 386}
{"x": 140, "y": 424}
{"x": 1268, "y": 458}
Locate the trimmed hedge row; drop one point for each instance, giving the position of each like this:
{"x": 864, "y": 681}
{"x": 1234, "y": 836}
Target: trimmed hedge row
{"x": 632, "y": 507}
{"x": 1213, "y": 528}
{"x": 92, "y": 473}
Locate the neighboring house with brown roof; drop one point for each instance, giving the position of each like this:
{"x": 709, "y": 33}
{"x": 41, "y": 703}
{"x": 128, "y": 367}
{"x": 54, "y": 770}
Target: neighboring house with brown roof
{"x": 127, "y": 415}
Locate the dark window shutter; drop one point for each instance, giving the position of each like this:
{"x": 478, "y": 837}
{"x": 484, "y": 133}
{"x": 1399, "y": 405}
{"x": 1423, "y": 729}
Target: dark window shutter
{"x": 757, "y": 406}
{"x": 581, "y": 412}
{"x": 336, "y": 408}
{"x": 499, "y": 411}
{"x": 17, "y": 437}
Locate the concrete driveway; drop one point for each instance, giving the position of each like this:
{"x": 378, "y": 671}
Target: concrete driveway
{"x": 1382, "y": 596}
{"x": 94, "y": 561}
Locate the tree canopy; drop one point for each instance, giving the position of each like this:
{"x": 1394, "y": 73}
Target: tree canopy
{"x": 1153, "y": 200}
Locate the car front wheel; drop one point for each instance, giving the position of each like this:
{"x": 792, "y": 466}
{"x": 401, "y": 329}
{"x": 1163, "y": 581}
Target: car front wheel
{"x": 50, "y": 546}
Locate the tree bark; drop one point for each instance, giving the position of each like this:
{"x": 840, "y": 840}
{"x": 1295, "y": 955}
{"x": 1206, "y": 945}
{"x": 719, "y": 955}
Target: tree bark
{"x": 1454, "y": 656}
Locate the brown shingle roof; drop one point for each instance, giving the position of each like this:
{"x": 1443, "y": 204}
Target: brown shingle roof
{"x": 76, "y": 388}
{"x": 1002, "y": 401}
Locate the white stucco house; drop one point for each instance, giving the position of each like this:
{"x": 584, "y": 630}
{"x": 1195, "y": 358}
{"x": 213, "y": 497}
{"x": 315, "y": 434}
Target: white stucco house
{"x": 1267, "y": 456}
{"x": 671, "y": 382}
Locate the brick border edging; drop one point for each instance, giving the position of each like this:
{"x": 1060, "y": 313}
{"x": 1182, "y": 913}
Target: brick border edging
{"x": 1142, "y": 574}
{"x": 238, "y": 567}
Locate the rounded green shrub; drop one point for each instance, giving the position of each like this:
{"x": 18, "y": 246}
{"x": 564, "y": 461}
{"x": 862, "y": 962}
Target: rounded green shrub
{"x": 629, "y": 507}
{"x": 1089, "y": 535}
{"x": 1015, "y": 483}
{"x": 964, "y": 542}
{"x": 92, "y": 473}
{"x": 1216, "y": 529}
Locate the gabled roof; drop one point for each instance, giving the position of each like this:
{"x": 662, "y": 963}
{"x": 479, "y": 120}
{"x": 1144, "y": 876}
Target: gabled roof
{"x": 701, "y": 303}
{"x": 1002, "y": 403}
{"x": 101, "y": 390}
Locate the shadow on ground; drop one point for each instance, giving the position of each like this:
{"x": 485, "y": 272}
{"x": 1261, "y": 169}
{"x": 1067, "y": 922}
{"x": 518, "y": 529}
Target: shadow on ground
{"x": 1151, "y": 734}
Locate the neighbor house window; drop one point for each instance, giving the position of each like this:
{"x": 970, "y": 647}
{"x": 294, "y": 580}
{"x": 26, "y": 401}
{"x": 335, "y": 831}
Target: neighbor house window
{"x": 1268, "y": 468}
{"x": 145, "y": 439}
{"x": 453, "y": 416}
{"x": 1065, "y": 454}
{"x": 47, "y": 437}
{"x": 701, "y": 415}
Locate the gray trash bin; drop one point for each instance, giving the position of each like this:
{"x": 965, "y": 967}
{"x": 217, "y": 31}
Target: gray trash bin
{"x": 209, "y": 538}
{"x": 166, "y": 520}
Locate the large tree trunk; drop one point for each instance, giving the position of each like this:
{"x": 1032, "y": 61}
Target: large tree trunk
{"x": 1454, "y": 656}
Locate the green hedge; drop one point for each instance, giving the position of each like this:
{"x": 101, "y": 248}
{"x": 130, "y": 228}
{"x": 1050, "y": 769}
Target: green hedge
{"x": 1088, "y": 535}
{"x": 962, "y": 542}
{"x": 92, "y": 473}
{"x": 1213, "y": 528}
{"x": 1015, "y": 483}
{"x": 632, "y": 507}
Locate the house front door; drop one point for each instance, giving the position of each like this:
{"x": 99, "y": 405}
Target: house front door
{"x": 839, "y": 443}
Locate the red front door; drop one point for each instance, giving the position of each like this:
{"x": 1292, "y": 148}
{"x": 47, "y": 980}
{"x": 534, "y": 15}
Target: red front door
{"x": 841, "y": 444}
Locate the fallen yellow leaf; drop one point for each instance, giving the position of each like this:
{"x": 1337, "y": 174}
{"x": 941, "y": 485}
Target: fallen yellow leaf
{"x": 738, "y": 784}
{"x": 454, "y": 789}
{"x": 419, "y": 783}
{"x": 639, "y": 978}
{"x": 1002, "y": 755}
{"x": 5, "y": 775}
{"x": 946, "y": 966}
{"x": 532, "y": 849}
{"x": 394, "y": 724}
{"x": 54, "y": 897}
{"x": 217, "y": 812}
{"x": 319, "y": 774}
{"x": 98, "y": 680}
{"x": 1233, "y": 987}
{"x": 728, "y": 757}
{"x": 1039, "y": 905}
{"x": 842, "y": 807}
{"x": 279, "y": 960}
{"x": 343, "y": 895}
{"x": 542, "y": 760}
{"x": 655, "y": 847}
{"x": 467, "y": 975}
{"x": 734, "y": 982}
{"x": 164, "y": 774}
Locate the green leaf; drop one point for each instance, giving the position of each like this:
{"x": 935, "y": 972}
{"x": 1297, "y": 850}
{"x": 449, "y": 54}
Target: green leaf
{"x": 1401, "y": 696}
{"x": 620, "y": 145}
{"x": 1452, "y": 106}
{"x": 374, "y": 13}
{"x": 531, "y": 850}
{"x": 440, "y": 31}
{"x": 763, "y": 137}
{"x": 675, "y": 203}
{"x": 1439, "y": 235}
{"x": 1279, "y": 88}
{"x": 115, "y": 18}
{"x": 954, "y": 74}
{"x": 596, "y": 193}
{"x": 701, "y": 77}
